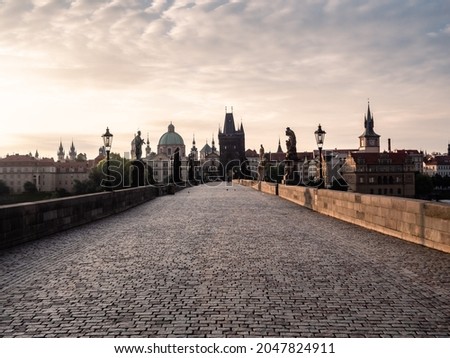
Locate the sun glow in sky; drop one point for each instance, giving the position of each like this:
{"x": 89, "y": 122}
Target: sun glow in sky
{"x": 70, "y": 68}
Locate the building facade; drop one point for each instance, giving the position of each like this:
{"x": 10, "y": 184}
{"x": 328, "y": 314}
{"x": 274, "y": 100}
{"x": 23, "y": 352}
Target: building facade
{"x": 386, "y": 173}
{"x": 46, "y": 174}
{"x": 162, "y": 162}
{"x": 370, "y": 172}
{"x": 16, "y": 170}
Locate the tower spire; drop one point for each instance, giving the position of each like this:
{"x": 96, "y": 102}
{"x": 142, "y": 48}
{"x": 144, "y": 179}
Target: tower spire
{"x": 369, "y": 140}
{"x": 279, "y": 150}
{"x": 60, "y": 152}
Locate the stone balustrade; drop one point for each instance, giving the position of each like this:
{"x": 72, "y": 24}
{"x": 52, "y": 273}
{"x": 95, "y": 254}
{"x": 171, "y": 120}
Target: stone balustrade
{"x": 418, "y": 221}
{"x": 24, "y": 222}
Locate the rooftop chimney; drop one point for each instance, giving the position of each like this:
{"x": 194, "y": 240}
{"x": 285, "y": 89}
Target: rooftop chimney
{"x": 389, "y": 145}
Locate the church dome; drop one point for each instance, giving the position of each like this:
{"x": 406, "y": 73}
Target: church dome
{"x": 171, "y": 137}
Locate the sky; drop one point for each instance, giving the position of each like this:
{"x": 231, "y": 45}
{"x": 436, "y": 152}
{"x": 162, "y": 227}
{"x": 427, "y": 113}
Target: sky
{"x": 71, "y": 68}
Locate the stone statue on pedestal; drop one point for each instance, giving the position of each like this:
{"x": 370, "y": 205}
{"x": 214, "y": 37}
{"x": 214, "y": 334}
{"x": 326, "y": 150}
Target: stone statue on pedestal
{"x": 291, "y": 157}
{"x": 138, "y": 141}
{"x": 262, "y": 164}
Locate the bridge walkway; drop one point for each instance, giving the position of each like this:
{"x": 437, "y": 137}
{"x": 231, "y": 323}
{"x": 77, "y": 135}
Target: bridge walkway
{"x": 224, "y": 261}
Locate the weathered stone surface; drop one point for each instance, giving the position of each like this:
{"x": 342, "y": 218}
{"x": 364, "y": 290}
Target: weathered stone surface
{"x": 413, "y": 220}
{"x": 20, "y": 223}
{"x": 225, "y": 261}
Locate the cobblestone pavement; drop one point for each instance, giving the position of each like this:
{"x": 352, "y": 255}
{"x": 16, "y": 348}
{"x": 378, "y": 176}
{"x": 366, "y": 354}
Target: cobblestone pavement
{"x": 226, "y": 261}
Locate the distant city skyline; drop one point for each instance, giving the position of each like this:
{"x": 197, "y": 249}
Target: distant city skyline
{"x": 70, "y": 69}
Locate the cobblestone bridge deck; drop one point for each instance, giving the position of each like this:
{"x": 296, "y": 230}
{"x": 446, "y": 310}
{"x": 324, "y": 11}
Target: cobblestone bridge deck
{"x": 223, "y": 262}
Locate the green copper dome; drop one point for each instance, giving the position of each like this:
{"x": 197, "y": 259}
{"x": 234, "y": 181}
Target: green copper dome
{"x": 171, "y": 137}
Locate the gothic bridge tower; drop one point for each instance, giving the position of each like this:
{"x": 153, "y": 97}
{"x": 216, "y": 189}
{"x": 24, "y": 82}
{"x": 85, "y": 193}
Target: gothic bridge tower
{"x": 232, "y": 148}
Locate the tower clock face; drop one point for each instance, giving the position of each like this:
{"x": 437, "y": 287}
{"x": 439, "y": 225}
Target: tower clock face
{"x": 371, "y": 141}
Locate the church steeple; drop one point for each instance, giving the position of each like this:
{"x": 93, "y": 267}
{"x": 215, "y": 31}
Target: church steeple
{"x": 72, "y": 152}
{"x": 279, "y": 150}
{"x": 369, "y": 141}
{"x": 213, "y": 148}
{"x": 60, "y": 152}
{"x": 147, "y": 148}
{"x": 194, "y": 150}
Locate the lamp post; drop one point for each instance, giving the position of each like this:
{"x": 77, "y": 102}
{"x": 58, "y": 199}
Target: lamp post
{"x": 320, "y": 136}
{"x": 107, "y": 141}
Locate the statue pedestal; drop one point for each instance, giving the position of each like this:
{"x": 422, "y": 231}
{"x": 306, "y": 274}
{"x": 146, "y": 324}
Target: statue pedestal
{"x": 137, "y": 173}
{"x": 291, "y": 175}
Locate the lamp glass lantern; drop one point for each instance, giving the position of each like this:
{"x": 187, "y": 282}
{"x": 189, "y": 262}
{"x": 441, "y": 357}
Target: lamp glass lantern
{"x": 320, "y": 136}
{"x": 107, "y": 140}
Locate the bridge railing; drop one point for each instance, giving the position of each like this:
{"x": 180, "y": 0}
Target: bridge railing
{"x": 24, "y": 222}
{"x": 422, "y": 222}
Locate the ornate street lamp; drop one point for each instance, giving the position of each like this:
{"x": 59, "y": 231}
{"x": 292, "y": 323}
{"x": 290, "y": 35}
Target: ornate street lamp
{"x": 107, "y": 141}
{"x": 320, "y": 137}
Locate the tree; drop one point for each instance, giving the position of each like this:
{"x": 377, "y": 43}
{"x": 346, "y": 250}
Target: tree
{"x": 437, "y": 180}
{"x": 424, "y": 185}
{"x": 29, "y": 187}
{"x": 446, "y": 181}
{"x": 4, "y": 189}
{"x": 275, "y": 173}
{"x": 81, "y": 157}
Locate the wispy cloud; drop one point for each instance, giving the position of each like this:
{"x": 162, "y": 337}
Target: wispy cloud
{"x": 282, "y": 62}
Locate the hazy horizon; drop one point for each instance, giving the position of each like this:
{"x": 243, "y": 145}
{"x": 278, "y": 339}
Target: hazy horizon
{"x": 69, "y": 69}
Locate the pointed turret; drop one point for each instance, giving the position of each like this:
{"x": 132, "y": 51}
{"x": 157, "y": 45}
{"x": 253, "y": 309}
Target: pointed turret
{"x": 60, "y": 152}
{"x": 148, "y": 150}
{"x": 213, "y": 148}
{"x": 72, "y": 152}
{"x": 369, "y": 141}
{"x": 279, "y": 150}
{"x": 194, "y": 150}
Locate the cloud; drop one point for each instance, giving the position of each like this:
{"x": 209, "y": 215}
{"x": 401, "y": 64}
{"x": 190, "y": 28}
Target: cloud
{"x": 279, "y": 61}
{"x": 123, "y": 42}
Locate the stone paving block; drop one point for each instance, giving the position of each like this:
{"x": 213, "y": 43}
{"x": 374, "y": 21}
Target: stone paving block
{"x": 212, "y": 262}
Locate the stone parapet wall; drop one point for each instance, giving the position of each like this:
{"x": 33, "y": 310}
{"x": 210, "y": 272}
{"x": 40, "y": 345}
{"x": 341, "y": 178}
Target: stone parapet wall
{"x": 20, "y": 223}
{"x": 421, "y": 222}
{"x": 269, "y": 188}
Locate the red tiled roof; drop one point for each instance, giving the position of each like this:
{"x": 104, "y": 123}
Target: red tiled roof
{"x": 374, "y": 158}
{"x": 25, "y": 160}
{"x": 443, "y": 160}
